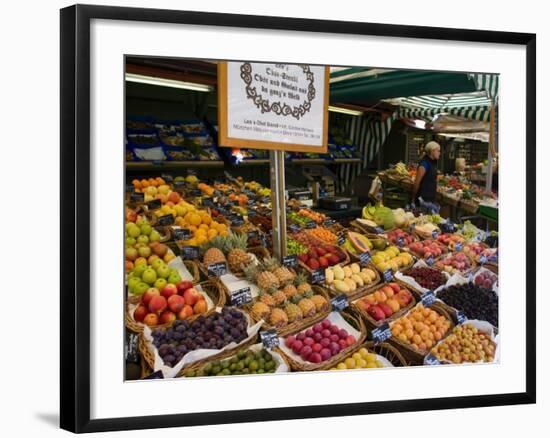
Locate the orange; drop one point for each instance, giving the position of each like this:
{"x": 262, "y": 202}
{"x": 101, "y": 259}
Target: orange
{"x": 206, "y": 219}
{"x": 200, "y": 239}
{"x": 152, "y": 182}
{"x": 204, "y": 227}
{"x": 144, "y": 183}
{"x": 224, "y": 233}
{"x": 195, "y": 219}
{"x": 212, "y": 233}
{"x": 193, "y": 229}
{"x": 201, "y": 232}
{"x": 137, "y": 184}
{"x": 160, "y": 181}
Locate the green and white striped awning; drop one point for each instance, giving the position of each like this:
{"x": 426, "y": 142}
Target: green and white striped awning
{"x": 479, "y": 113}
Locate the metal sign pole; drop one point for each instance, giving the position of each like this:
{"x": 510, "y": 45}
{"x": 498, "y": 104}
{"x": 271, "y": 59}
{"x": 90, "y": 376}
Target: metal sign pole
{"x": 278, "y": 204}
{"x": 490, "y": 155}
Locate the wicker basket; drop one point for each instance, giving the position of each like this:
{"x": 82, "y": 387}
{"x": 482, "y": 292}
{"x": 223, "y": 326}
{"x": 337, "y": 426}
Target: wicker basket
{"x": 353, "y": 320}
{"x": 383, "y": 349}
{"x": 361, "y": 291}
{"x": 149, "y": 358}
{"x": 297, "y": 326}
{"x": 412, "y": 355}
{"x": 211, "y": 289}
{"x": 372, "y": 323}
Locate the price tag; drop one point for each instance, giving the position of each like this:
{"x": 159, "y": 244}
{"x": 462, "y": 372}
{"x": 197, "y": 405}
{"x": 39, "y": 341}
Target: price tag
{"x": 310, "y": 225}
{"x": 181, "y": 233}
{"x": 194, "y": 192}
{"x": 341, "y": 239}
{"x": 179, "y": 186}
{"x": 252, "y": 235}
{"x": 428, "y": 298}
{"x": 434, "y": 234}
{"x": 217, "y": 269}
{"x": 400, "y": 242}
{"x": 241, "y": 297}
{"x": 131, "y": 349}
{"x": 339, "y": 302}
{"x": 252, "y": 213}
{"x": 388, "y": 275}
{"x": 265, "y": 200}
{"x": 458, "y": 246}
{"x": 190, "y": 252}
{"x": 431, "y": 360}
{"x": 269, "y": 338}
{"x": 156, "y": 375}
{"x": 482, "y": 259}
{"x": 236, "y": 220}
{"x": 460, "y": 317}
{"x": 329, "y": 222}
{"x": 430, "y": 261}
{"x": 364, "y": 258}
{"x": 137, "y": 198}
{"x": 382, "y": 333}
{"x": 264, "y": 239}
{"x": 290, "y": 261}
{"x": 294, "y": 228}
{"x": 154, "y": 204}
{"x": 493, "y": 258}
{"x": 207, "y": 202}
{"x": 166, "y": 220}
{"x": 318, "y": 276}
{"x": 167, "y": 178}
{"x": 250, "y": 202}
{"x": 379, "y": 230}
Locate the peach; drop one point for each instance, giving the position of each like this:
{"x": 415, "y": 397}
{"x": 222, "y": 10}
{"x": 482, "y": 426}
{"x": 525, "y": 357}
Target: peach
{"x": 191, "y": 296}
{"x": 200, "y": 307}
{"x": 186, "y": 312}
{"x": 167, "y": 317}
{"x": 157, "y": 304}
{"x": 151, "y": 319}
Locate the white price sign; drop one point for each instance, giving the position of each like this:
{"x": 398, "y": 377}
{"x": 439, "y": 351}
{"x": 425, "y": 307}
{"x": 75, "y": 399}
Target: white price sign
{"x": 273, "y": 106}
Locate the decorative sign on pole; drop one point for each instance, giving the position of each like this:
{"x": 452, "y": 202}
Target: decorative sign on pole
{"x": 273, "y": 106}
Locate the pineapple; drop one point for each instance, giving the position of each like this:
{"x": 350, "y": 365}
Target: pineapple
{"x": 321, "y": 303}
{"x": 213, "y": 251}
{"x": 237, "y": 256}
{"x": 278, "y": 318}
{"x": 293, "y": 312}
{"x": 308, "y": 307}
{"x": 290, "y": 290}
{"x": 282, "y": 273}
{"x": 279, "y": 297}
{"x": 267, "y": 280}
{"x": 267, "y": 299}
{"x": 302, "y": 285}
{"x": 260, "y": 310}
{"x": 296, "y": 298}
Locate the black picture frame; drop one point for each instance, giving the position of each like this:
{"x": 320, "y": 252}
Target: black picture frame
{"x": 75, "y": 216}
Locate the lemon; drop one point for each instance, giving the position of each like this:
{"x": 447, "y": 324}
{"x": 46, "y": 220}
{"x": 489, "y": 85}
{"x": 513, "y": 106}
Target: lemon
{"x": 341, "y": 366}
{"x": 350, "y": 362}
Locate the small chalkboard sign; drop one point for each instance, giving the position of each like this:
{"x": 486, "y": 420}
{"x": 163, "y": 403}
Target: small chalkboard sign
{"x": 310, "y": 225}
{"x": 167, "y": 178}
{"x": 493, "y": 258}
{"x": 318, "y": 276}
{"x": 217, "y": 269}
{"x": 236, "y": 220}
{"x": 181, "y": 233}
{"x": 252, "y": 235}
{"x": 400, "y": 242}
{"x": 290, "y": 261}
{"x": 190, "y": 252}
{"x": 155, "y": 204}
{"x": 381, "y": 334}
{"x": 329, "y": 222}
{"x": 458, "y": 246}
{"x": 269, "y": 338}
{"x": 482, "y": 259}
{"x": 179, "y": 186}
{"x": 240, "y": 297}
{"x": 430, "y": 261}
{"x": 194, "y": 192}
{"x": 294, "y": 228}
{"x": 251, "y": 213}
{"x": 434, "y": 234}
{"x": 378, "y": 230}
{"x": 137, "y": 197}
{"x": 166, "y": 220}
{"x": 131, "y": 350}
{"x": 364, "y": 258}
{"x": 428, "y": 298}
{"x": 207, "y": 202}
{"x": 339, "y": 302}
{"x": 430, "y": 359}
{"x": 388, "y": 275}
{"x": 341, "y": 239}
{"x": 460, "y": 317}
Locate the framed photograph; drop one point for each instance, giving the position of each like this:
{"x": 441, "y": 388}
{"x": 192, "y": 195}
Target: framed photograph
{"x": 288, "y": 218}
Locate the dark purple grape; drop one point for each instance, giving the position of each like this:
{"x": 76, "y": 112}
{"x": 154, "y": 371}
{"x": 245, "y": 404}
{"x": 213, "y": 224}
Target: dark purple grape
{"x": 169, "y": 358}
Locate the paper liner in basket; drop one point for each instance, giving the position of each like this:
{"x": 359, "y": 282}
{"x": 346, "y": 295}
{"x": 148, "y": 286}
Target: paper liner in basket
{"x": 482, "y": 326}
{"x": 196, "y": 355}
{"x": 336, "y": 319}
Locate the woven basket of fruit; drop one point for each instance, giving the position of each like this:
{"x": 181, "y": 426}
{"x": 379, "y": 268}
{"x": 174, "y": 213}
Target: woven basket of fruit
{"x": 316, "y": 347}
{"x": 386, "y": 304}
{"x": 455, "y": 263}
{"x": 423, "y": 276}
{"x": 371, "y": 355}
{"x": 295, "y": 313}
{"x": 320, "y": 254}
{"x": 416, "y": 332}
{"x": 226, "y": 330}
{"x": 352, "y": 280}
{"x": 160, "y": 311}
{"x": 255, "y": 359}
{"x": 428, "y": 249}
{"x": 193, "y": 268}
{"x": 392, "y": 258}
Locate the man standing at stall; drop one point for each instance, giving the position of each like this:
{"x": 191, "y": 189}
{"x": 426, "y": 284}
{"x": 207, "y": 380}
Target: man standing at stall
{"x": 425, "y": 185}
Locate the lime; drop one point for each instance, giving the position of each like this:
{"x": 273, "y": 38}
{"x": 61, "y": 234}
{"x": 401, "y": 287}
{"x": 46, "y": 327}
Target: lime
{"x": 253, "y": 365}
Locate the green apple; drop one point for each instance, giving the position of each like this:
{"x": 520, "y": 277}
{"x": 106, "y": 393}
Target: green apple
{"x": 143, "y": 239}
{"x": 139, "y": 270}
{"x": 154, "y": 236}
{"x": 131, "y": 253}
{"x": 157, "y": 263}
{"x": 141, "y": 221}
{"x": 160, "y": 283}
{"x": 141, "y": 288}
{"x": 174, "y": 278}
{"x": 144, "y": 251}
{"x": 163, "y": 271}
{"x": 149, "y": 276}
{"x": 133, "y": 230}
{"x": 133, "y": 282}
{"x": 130, "y": 241}
{"x": 146, "y": 229}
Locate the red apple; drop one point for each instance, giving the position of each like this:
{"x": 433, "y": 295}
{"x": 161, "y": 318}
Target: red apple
{"x": 176, "y": 303}
{"x": 157, "y": 304}
{"x": 140, "y": 313}
{"x": 149, "y": 293}
{"x": 183, "y": 285}
{"x": 169, "y": 290}
{"x": 343, "y": 344}
{"x": 388, "y": 311}
{"x": 151, "y": 319}
{"x": 191, "y": 296}
{"x": 185, "y": 312}
{"x": 167, "y": 317}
